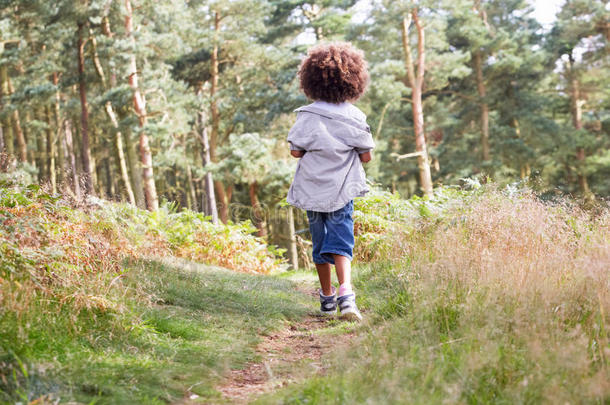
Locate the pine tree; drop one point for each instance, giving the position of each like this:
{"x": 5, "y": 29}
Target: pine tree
{"x": 401, "y": 73}
{"x": 580, "y": 40}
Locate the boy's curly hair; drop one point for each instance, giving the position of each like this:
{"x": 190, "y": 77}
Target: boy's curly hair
{"x": 334, "y": 73}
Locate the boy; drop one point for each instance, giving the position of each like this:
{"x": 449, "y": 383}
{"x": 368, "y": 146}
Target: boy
{"x": 331, "y": 138}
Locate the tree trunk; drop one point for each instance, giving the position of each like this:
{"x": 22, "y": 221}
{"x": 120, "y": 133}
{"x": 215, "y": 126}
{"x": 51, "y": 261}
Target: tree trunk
{"x": 7, "y": 135}
{"x": 84, "y": 116}
{"x": 150, "y": 191}
{"x": 77, "y": 144}
{"x": 51, "y": 150}
{"x": 118, "y": 136}
{"x": 229, "y": 194}
{"x": 96, "y": 159}
{"x": 576, "y": 109}
{"x": 16, "y": 121}
{"x": 59, "y": 142}
{"x": 41, "y": 160}
{"x": 416, "y": 81}
{"x": 7, "y": 130}
{"x": 223, "y": 204}
{"x": 134, "y": 171}
{"x": 214, "y": 89}
{"x": 72, "y": 158}
{"x": 293, "y": 256}
{"x": 31, "y": 153}
{"x": 192, "y": 193}
{"x": 111, "y": 190}
{"x": 482, "y": 90}
{"x": 258, "y": 216}
{"x": 18, "y": 131}
{"x": 209, "y": 205}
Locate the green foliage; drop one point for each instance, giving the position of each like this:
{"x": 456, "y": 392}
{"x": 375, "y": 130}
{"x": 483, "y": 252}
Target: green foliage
{"x": 380, "y": 217}
{"x": 246, "y": 159}
{"x": 260, "y": 45}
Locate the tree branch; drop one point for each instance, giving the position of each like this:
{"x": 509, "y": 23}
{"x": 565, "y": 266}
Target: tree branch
{"x": 421, "y": 52}
{"x": 406, "y": 22}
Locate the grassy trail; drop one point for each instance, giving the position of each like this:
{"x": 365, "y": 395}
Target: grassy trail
{"x": 249, "y": 333}
{"x": 199, "y": 323}
{"x": 292, "y": 354}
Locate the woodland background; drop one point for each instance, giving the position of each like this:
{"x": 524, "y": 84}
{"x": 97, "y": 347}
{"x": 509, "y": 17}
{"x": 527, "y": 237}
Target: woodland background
{"x": 481, "y": 256}
{"x": 190, "y": 101}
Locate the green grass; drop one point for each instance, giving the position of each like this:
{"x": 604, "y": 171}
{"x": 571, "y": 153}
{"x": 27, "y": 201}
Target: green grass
{"x": 426, "y": 343}
{"x": 200, "y": 322}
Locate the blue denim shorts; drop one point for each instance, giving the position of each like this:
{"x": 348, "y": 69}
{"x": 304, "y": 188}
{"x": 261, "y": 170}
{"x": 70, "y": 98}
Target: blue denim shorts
{"x": 332, "y": 233}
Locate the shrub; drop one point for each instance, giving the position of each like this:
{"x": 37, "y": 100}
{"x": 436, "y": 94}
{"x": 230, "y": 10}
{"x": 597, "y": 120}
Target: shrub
{"x": 52, "y": 251}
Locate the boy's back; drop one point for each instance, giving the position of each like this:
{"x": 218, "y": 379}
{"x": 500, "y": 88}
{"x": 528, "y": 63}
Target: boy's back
{"x": 330, "y": 173}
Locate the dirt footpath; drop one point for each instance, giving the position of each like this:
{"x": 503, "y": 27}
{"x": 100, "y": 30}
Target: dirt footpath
{"x": 289, "y": 355}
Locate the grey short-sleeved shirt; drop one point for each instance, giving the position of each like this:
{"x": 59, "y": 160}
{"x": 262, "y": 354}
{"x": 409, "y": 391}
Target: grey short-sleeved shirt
{"x": 330, "y": 173}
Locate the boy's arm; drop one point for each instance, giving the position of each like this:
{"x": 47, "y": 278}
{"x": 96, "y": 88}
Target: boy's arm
{"x": 365, "y": 157}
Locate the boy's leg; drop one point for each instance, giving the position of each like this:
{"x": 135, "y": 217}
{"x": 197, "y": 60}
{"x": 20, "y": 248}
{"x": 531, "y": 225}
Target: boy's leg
{"x": 317, "y": 229}
{"x": 324, "y": 274}
{"x": 339, "y": 244}
{"x": 339, "y": 241}
{"x": 344, "y": 274}
{"x": 346, "y": 299}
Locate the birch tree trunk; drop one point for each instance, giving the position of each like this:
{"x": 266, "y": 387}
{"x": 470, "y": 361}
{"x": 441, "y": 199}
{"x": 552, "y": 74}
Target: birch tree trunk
{"x": 209, "y": 196}
{"x": 150, "y": 191}
{"x": 84, "y": 116}
{"x": 72, "y": 158}
{"x": 293, "y": 255}
{"x": 415, "y": 78}
{"x": 223, "y": 202}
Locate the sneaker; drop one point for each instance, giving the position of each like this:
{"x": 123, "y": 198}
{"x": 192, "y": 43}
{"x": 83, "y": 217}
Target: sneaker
{"x": 347, "y": 307}
{"x": 328, "y": 304}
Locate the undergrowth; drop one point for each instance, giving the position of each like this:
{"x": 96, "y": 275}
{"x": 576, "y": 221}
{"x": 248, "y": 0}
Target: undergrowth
{"x": 63, "y": 276}
{"x": 491, "y": 296}
{"x": 481, "y": 296}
